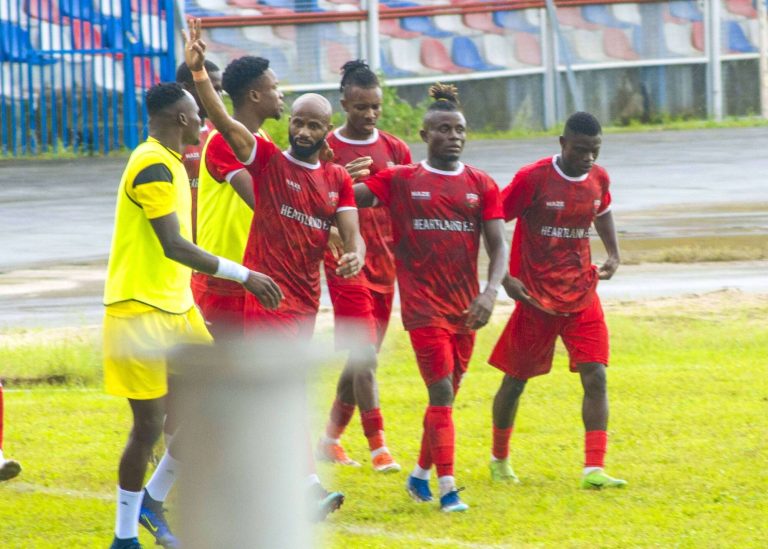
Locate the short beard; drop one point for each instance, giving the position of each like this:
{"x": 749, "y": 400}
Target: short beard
{"x": 303, "y": 151}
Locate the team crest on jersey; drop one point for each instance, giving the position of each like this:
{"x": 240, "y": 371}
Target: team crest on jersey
{"x": 333, "y": 198}
{"x": 472, "y": 200}
{"x": 597, "y": 203}
{"x": 293, "y": 185}
{"x": 421, "y": 195}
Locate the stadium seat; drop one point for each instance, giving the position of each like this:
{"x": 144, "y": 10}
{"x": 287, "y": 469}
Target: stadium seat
{"x": 336, "y": 54}
{"x": 285, "y": 4}
{"x": 515, "y": 20}
{"x": 744, "y": 8}
{"x": 147, "y": 6}
{"x": 628, "y": 13}
{"x": 685, "y": 9}
{"x": 588, "y": 46}
{"x": 737, "y": 40}
{"x": 452, "y": 24}
{"x": 47, "y": 36}
{"x": 86, "y": 36}
{"x": 81, "y": 9}
{"x": 678, "y": 39}
{"x": 262, "y": 34}
{"x": 389, "y": 70}
{"x": 245, "y": 4}
{"x": 47, "y": 10}
{"x": 214, "y": 5}
{"x": 482, "y": 22}
{"x": 15, "y": 45}
{"x": 405, "y": 56}
{"x": 499, "y": 50}
{"x": 108, "y": 74}
{"x": 600, "y": 14}
{"x": 434, "y": 55}
{"x": 391, "y": 27}
{"x": 229, "y": 36}
{"x": 154, "y": 34}
{"x": 465, "y": 54}
{"x": 697, "y": 35}
{"x": 617, "y": 45}
{"x": 423, "y": 25}
{"x": 571, "y": 17}
{"x": 110, "y": 8}
{"x": 528, "y": 49}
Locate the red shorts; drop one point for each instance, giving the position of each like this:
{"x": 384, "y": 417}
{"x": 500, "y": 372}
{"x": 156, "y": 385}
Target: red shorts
{"x": 527, "y": 344}
{"x": 221, "y": 302}
{"x": 361, "y": 315}
{"x": 261, "y": 322}
{"x": 441, "y": 353}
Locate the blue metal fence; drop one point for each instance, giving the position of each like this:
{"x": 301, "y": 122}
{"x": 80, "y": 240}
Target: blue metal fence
{"x": 73, "y": 72}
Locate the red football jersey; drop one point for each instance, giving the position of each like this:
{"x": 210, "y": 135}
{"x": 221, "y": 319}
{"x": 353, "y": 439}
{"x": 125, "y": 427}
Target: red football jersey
{"x": 437, "y": 219}
{"x": 550, "y": 247}
{"x": 375, "y": 223}
{"x": 191, "y": 157}
{"x": 296, "y": 204}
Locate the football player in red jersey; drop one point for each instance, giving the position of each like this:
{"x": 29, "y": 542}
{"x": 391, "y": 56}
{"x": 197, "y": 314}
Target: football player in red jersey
{"x": 297, "y": 200}
{"x": 362, "y": 304}
{"x": 440, "y": 209}
{"x": 555, "y": 201}
{"x": 192, "y": 154}
{"x": 225, "y": 194}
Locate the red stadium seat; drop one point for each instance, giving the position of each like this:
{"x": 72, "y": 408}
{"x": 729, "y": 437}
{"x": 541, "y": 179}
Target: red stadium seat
{"x": 391, "y": 27}
{"x": 47, "y": 10}
{"x": 482, "y": 22}
{"x": 434, "y": 55}
{"x": 616, "y": 44}
{"x": 697, "y": 35}
{"x": 741, "y": 7}
{"x": 527, "y": 49}
{"x": 336, "y": 55}
{"x": 571, "y": 17}
{"x": 144, "y": 73}
{"x": 286, "y": 32}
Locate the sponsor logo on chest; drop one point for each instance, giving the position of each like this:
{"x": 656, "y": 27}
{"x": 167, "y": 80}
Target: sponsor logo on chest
{"x": 421, "y": 195}
{"x": 293, "y": 185}
{"x": 555, "y": 204}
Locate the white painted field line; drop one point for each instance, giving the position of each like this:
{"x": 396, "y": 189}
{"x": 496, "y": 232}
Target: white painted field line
{"x": 421, "y": 540}
{"x": 29, "y": 488}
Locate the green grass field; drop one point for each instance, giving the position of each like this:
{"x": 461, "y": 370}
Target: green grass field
{"x": 689, "y": 398}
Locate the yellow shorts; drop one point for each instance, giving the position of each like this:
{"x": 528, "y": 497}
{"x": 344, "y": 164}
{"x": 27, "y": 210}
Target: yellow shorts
{"x": 137, "y": 339}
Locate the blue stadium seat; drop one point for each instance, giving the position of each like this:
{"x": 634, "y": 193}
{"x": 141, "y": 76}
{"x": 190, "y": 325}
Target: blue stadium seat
{"x": 390, "y": 70}
{"x": 514, "y": 20}
{"x": 192, "y": 9}
{"x": 601, "y": 14}
{"x": 424, "y": 25}
{"x": 464, "y": 53}
{"x": 737, "y": 40}
{"x": 15, "y": 45}
{"x": 685, "y": 9}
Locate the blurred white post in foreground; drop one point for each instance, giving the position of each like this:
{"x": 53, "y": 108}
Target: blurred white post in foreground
{"x": 244, "y": 447}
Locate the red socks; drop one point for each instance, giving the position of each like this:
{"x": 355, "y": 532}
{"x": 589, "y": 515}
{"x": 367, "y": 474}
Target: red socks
{"x": 373, "y": 427}
{"x": 501, "y": 442}
{"x": 440, "y": 434}
{"x": 595, "y": 443}
{"x": 341, "y": 413}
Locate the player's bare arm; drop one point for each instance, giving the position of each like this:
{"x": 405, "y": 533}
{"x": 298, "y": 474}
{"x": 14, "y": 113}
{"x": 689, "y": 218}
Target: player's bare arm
{"x": 179, "y": 249}
{"x": 237, "y": 135}
{"x": 481, "y": 308}
{"x": 606, "y": 229}
{"x": 364, "y": 197}
{"x": 354, "y": 247}
{"x": 243, "y": 185}
{"x": 359, "y": 167}
{"x": 335, "y": 243}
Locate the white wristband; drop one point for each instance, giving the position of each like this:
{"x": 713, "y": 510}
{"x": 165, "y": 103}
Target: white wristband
{"x": 232, "y": 271}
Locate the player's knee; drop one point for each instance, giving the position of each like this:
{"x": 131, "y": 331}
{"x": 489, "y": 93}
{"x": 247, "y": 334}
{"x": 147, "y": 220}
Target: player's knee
{"x": 147, "y": 430}
{"x": 441, "y": 392}
{"x": 364, "y": 357}
{"x": 512, "y": 388}
{"x": 594, "y": 379}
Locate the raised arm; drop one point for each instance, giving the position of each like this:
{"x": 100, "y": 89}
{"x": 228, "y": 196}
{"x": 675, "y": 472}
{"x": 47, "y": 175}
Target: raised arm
{"x": 243, "y": 185}
{"x": 238, "y": 136}
{"x": 606, "y": 229}
{"x": 479, "y": 311}
{"x": 353, "y": 258}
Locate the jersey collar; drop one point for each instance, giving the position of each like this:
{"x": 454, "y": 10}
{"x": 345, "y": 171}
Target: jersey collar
{"x": 561, "y": 173}
{"x": 176, "y": 155}
{"x": 457, "y": 171}
{"x": 370, "y": 141}
{"x": 300, "y": 163}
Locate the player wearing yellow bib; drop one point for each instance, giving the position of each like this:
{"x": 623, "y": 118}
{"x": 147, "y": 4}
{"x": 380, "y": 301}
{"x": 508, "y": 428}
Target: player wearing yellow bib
{"x": 149, "y": 305}
{"x": 225, "y": 192}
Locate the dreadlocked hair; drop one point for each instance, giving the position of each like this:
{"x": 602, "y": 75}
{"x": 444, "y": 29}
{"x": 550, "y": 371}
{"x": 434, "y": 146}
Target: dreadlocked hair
{"x": 358, "y": 73}
{"x": 446, "y": 97}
